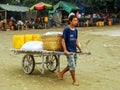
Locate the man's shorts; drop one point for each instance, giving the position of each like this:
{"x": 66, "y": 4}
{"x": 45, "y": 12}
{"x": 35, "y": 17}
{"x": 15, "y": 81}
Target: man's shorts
{"x": 72, "y": 61}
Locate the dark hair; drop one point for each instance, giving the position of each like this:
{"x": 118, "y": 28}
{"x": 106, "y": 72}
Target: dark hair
{"x": 71, "y": 17}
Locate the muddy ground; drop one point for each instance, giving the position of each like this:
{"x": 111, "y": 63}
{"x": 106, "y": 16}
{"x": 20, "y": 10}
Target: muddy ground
{"x": 99, "y": 71}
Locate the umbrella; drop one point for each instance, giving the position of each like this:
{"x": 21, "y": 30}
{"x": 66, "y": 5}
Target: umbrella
{"x": 41, "y": 6}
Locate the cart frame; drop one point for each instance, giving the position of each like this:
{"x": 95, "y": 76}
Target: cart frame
{"x": 52, "y": 57}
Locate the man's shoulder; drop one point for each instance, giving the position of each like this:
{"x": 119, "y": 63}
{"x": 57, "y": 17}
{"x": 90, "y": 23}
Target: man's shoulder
{"x": 66, "y": 28}
{"x": 76, "y": 29}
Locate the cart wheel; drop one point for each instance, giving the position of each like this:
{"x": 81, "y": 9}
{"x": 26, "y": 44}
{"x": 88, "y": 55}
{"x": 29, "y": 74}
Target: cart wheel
{"x": 28, "y": 64}
{"x": 51, "y": 63}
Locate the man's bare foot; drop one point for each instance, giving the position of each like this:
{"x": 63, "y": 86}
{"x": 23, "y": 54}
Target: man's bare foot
{"x": 59, "y": 74}
{"x": 75, "y": 84}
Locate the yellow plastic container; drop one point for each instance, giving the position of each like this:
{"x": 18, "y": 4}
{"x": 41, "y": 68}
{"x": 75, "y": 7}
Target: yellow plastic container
{"x": 102, "y": 23}
{"x": 18, "y": 41}
{"x": 46, "y": 19}
{"x": 28, "y": 37}
{"x": 36, "y": 37}
{"x": 12, "y": 28}
{"x": 87, "y": 24}
{"x": 97, "y": 23}
{"x": 109, "y": 22}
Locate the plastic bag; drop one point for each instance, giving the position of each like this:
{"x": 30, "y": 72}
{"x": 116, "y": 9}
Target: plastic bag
{"x": 33, "y": 46}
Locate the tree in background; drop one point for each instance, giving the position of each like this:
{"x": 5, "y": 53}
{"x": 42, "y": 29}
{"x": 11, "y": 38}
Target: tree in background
{"x": 103, "y": 4}
{"x": 109, "y": 4}
{"x": 12, "y": 2}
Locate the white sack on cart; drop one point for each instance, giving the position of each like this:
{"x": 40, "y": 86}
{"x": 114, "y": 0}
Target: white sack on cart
{"x": 33, "y": 46}
{"x": 52, "y": 33}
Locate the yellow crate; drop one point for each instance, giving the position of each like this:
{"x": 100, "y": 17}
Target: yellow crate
{"x": 36, "y": 37}
{"x": 18, "y": 41}
{"x": 28, "y": 37}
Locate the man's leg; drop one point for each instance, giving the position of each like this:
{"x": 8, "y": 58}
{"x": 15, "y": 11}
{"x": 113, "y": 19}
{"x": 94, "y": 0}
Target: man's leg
{"x": 72, "y": 72}
{"x": 72, "y": 69}
{"x": 61, "y": 74}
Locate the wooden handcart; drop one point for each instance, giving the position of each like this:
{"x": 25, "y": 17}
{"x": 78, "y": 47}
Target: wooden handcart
{"x": 50, "y": 58}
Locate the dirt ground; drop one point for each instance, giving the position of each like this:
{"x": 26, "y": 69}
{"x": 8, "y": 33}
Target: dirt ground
{"x": 99, "y": 71}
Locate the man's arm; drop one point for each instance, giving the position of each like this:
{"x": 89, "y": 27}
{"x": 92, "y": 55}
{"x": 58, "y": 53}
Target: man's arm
{"x": 78, "y": 45}
{"x": 64, "y": 46}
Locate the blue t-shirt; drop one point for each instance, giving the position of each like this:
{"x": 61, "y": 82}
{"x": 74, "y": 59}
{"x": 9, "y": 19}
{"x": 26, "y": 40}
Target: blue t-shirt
{"x": 70, "y": 37}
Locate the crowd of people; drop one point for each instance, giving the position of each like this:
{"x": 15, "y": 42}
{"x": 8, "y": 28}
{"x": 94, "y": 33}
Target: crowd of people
{"x": 39, "y": 23}
{"x": 92, "y": 17}
{"x": 12, "y": 23}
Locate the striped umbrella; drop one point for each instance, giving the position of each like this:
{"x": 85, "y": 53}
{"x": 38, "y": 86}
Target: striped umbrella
{"x": 41, "y": 6}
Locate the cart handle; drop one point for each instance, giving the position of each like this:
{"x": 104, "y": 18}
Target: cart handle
{"x": 72, "y": 53}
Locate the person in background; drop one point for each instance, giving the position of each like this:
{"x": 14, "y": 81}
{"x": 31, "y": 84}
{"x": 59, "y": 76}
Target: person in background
{"x": 20, "y": 24}
{"x": 106, "y": 15}
{"x": 71, "y": 14}
{"x": 77, "y": 14}
{"x": 12, "y": 19}
{"x": 94, "y": 15}
{"x": 70, "y": 44}
{"x": 4, "y": 23}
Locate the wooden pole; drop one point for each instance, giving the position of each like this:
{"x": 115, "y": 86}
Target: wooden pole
{"x": 6, "y": 16}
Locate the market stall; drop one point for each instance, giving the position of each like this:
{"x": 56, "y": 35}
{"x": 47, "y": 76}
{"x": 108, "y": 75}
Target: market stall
{"x": 42, "y": 7}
